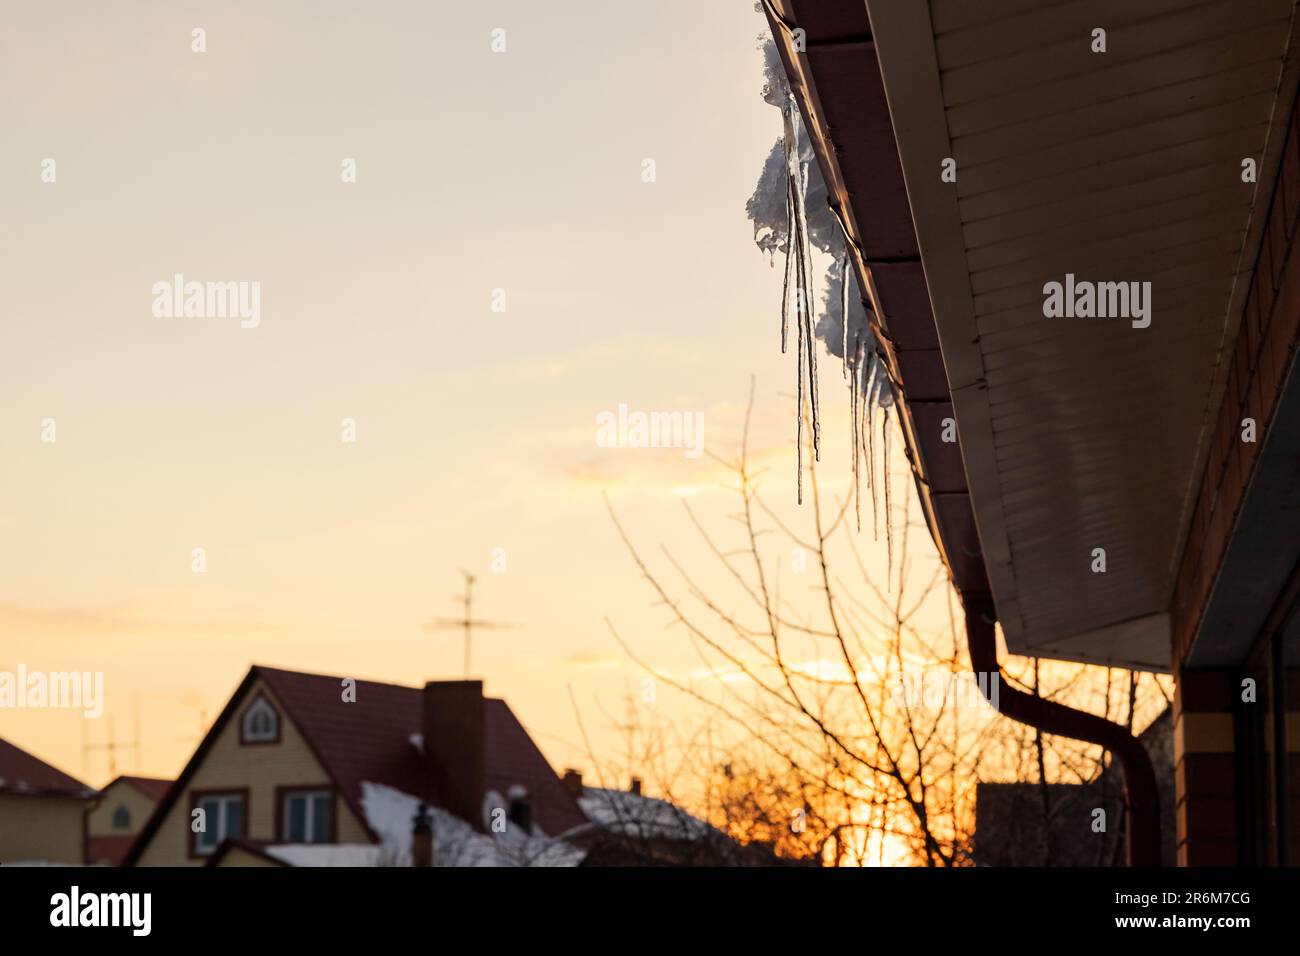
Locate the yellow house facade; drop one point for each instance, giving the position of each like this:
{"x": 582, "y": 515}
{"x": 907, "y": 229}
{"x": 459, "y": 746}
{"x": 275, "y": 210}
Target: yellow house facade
{"x": 42, "y": 810}
{"x": 117, "y": 817}
{"x": 255, "y": 774}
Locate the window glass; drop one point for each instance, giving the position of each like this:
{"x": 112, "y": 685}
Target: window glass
{"x": 234, "y": 818}
{"x": 206, "y": 839}
{"x": 296, "y": 831}
{"x": 320, "y": 818}
{"x": 260, "y": 722}
{"x": 307, "y": 817}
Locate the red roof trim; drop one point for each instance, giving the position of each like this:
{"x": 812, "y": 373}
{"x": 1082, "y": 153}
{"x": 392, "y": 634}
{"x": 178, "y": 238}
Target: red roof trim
{"x": 17, "y": 766}
{"x": 155, "y": 788}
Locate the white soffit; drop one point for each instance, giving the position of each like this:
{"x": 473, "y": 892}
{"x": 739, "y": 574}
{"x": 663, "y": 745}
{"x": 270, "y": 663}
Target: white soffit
{"x": 1124, "y": 166}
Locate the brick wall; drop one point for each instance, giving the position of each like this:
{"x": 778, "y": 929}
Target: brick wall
{"x": 1205, "y": 768}
{"x": 1261, "y": 358}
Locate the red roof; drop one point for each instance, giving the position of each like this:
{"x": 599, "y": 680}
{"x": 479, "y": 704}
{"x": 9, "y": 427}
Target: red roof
{"x": 109, "y": 850}
{"x": 152, "y": 787}
{"x": 371, "y": 740}
{"x": 20, "y": 772}
{"x": 513, "y": 758}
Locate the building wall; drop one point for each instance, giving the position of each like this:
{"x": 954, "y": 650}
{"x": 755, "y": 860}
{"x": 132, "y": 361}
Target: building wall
{"x": 1206, "y": 768}
{"x": 106, "y": 843}
{"x": 41, "y": 827}
{"x": 259, "y": 768}
{"x": 1260, "y": 359}
{"x": 99, "y": 821}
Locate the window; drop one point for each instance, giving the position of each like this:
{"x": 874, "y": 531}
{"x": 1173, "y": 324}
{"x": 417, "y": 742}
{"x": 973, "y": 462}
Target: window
{"x": 222, "y": 819}
{"x": 121, "y": 818}
{"x": 306, "y": 816}
{"x": 261, "y": 723}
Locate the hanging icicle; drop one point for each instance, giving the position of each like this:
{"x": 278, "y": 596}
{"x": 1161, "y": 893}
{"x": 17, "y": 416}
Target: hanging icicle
{"x": 798, "y": 428}
{"x": 855, "y": 416}
{"x": 789, "y": 261}
{"x": 870, "y": 403}
{"x": 809, "y": 338}
{"x": 889, "y": 532}
{"x": 798, "y": 266}
{"x": 792, "y": 218}
{"x": 844, "y": 308}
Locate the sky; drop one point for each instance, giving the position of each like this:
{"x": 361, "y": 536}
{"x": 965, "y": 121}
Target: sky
{"x": 476, "y": 171}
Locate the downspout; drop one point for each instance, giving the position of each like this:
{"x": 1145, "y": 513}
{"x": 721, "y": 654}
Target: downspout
{"x": 1142, "y": 799}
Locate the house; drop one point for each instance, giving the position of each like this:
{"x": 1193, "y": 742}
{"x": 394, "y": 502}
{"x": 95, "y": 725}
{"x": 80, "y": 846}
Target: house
{"x": 629, "y": 828}
{"x": 307, "y": 769}
{"x": 1122, "y": 490}
{"x": 41, "y": 810}
{"x": 1065, "y": 814}
{"x": 118, "y": 816}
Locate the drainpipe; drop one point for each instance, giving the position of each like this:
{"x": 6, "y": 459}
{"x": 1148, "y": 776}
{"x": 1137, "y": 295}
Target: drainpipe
{"x": 1142, "y": 800}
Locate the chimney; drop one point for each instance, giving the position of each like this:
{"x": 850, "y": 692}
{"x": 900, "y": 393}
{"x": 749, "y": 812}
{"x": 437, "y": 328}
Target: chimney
{"x": 422, "y": 838}
{"x": 521, "y": 808}
{"x": 573, "y": 780}
{"x": 452, "y": 722}
{"x": 635, "y": 789}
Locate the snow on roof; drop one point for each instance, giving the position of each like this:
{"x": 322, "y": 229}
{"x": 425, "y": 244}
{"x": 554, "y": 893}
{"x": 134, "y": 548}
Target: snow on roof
{"x": 633, "y": 815}
{"x": 328, "y": 854}
{"x": 391, "y": 814}
{"x": 9, "y": 863}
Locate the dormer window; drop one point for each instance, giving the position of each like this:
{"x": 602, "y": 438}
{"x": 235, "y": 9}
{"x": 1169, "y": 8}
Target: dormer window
{"x": 261, "y": 724}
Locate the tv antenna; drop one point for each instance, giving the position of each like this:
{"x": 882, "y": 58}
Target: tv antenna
{"x": 468, "y": 622}
{"x": 112, "y": 746}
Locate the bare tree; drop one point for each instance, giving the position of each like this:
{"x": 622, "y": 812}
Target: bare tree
{"x": 855, "y": 733}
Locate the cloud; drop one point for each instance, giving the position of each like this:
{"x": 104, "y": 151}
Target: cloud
{"x": 105, "y": 621}
{"x": 594, "y": 660}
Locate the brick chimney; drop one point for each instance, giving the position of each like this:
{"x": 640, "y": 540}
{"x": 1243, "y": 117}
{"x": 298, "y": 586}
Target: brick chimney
{"x": 521, "y": 808}
{"x": 452, "y": 722}
{"x": 573, "y": 781}
{"x": 636, "y": 786}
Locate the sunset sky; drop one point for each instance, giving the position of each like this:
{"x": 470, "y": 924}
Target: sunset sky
{"x": 476, "y": 430}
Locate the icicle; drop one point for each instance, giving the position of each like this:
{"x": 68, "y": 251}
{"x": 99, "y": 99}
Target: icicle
{"x": 855, "y": 401}
{"x": 889, "y": 531}
{"x": 844, "y": 308}
{"x": 867, "y": 417}
{"x": 810, "y": 339}
{"x": 789, "y": 261}
{"x": 792, "y": 249}
{"x": 798, "y": 428}
{"x": 806, "y": 297}
{"x": 799, "y": 254}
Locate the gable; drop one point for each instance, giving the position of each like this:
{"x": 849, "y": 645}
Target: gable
{"x": 224, "y": 763}
{"x": 119, "y": 794}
